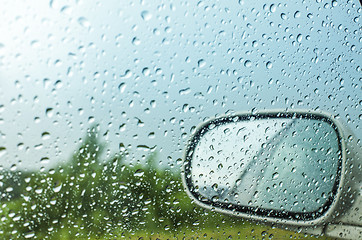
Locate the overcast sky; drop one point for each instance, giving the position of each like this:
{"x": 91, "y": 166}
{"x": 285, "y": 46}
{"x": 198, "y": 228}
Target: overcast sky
{"x": 150, "y": 71}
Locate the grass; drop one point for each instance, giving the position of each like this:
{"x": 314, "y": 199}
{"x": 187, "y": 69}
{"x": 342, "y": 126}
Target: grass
{"x": 225, "y": 232}
{"x": 220, "y": 231}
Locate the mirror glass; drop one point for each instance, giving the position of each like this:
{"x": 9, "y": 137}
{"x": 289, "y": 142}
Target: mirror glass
{"x": 282, "y": 164}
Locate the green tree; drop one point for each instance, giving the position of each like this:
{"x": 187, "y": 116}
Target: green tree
{"x": 87, "y": 197}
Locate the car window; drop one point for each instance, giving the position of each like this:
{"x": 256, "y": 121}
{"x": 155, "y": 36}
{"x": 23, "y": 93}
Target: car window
{"x": 98, "y": 100}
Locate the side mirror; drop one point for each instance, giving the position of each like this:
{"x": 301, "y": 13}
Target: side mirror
{"x": 300, "y": 170}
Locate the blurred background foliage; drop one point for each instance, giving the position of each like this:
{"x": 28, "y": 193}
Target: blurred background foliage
{"x": 91, "y": 198}
{"x": 88, "y": 196}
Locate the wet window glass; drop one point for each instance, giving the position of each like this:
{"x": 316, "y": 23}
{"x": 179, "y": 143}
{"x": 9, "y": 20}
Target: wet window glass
{"x": 99, "y": 98}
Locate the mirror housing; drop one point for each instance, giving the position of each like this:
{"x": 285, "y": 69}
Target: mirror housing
{"x": 343, "y": 204}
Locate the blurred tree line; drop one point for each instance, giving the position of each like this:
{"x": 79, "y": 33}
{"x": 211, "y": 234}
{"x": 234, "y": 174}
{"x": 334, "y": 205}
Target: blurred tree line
{"x": 87, "y": 197}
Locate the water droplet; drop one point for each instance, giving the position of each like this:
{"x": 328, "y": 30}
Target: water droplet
{"x": 46, "y": 82}
{"x": 153, "y": 103}
{"x": 35, "y": 44}
{"x": 122, "y": 127}
{"x": 127, "y": 74}
{"x": 58, "y": 63}
{"x": 269, "y": 65}
{"x": 13, "y": 167}
{"x": 201, "y": 63}
{"x": 275, "y": 175}
{"x": 143, "y": 147}
{"x": 122, "y": 87}
{"x": 184, "y": 91}
{"x": 247, "y": 63}
{"x": 29, "y": 234}
{"x": 91, "y": 119}
{"x": 139, "y": 173}
{"x": 84, "y": 22}
{"x": 299, "y": 38}
{"x": 45, "y": 135}
{"x": 151, "y": 135}
{"x": 53, "y": 3}
{"x": 66, "y": 10}
{"x": 146, "y": 72}
{"x": 297, "y": 14}
{"x": 2, "y": 151}
{"x": 185, "y": 107}
{"x": 136, "y": 41}
{"x": 58, "y": 84}
{"x": 38, "y": 190}
{"x": 139, "y": 122}
{"x": 273, "y": 8}
{"x": 38, "y": 146}
{"x": 146, "y": 15}
{"x": 44, "y": 160}
{"x": 196, "y": 223}
{"x": 49, "y": 112}
{"x": 57, "y": 188}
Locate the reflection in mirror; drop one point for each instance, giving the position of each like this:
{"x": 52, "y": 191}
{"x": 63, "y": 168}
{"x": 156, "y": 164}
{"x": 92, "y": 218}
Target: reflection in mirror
{"x": 277, "y": 163}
